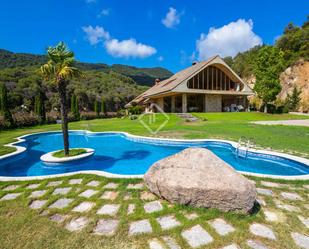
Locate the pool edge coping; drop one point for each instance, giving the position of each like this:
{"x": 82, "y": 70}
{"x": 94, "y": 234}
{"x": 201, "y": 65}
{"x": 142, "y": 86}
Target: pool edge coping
{"x": 21, "y": 149}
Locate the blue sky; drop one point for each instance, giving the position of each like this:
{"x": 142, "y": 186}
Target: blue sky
{"x": 145, "y": 33}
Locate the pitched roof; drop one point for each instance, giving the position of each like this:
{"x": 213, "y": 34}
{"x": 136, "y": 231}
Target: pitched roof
{"x": 172, "y": 82}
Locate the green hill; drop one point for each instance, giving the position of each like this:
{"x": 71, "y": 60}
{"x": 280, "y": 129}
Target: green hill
{"x": 142, "y": 76}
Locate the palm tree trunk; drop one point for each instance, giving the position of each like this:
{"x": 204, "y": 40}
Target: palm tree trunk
{"x": 64, "y": 116}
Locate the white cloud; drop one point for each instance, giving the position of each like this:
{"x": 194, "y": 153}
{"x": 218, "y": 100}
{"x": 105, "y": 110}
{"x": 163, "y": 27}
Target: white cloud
{"x": 95, "y": 34}
{"x": 172, "y": 18}
{"x": 128, "y": 48}
{"x": 160, "y": 58}
{"x": 228, "y": 40}
{"x": 104, "y": 12}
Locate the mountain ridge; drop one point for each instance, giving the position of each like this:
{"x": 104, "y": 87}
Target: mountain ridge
{"x": 143, "y": 76}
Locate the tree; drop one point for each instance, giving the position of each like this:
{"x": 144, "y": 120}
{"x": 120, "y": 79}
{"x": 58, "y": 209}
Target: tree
{"x": 4, "y": 108}
{"x": 269, "y": 64}
{"x": 97, "y": 107}
{"x": 103, "y": 108}
{"x": 39, "y": 107}
{"x": 293, "y": 100}
{"x": 75, "y": 107}
{"x": 59, "y": 69}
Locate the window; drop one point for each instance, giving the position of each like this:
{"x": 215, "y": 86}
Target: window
{"x": 212, "y": 78}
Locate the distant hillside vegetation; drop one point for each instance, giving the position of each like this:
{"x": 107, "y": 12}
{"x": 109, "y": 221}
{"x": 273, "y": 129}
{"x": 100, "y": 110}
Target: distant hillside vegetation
{"x": 142, "y": 76}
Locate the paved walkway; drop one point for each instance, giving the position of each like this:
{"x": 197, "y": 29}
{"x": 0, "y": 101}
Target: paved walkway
{"x": 300, "y": 122}
{"x": 101, "y": 206}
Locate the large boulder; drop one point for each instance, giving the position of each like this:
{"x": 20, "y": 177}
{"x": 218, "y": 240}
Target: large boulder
{"x": 197, "y": 177}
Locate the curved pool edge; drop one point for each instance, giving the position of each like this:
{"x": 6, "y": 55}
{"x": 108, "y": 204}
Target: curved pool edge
{"x": 21, "y": 149}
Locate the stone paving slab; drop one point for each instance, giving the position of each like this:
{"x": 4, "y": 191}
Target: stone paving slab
{"x": 155, "y": 244}
{"x": 304, "y": 220}
{"x": 111, "y": 185}
{"x": 291, "y": 196}
{"x": 128, "y": 196}
{"x": 37, "y": 204}
{"x": 301, "y": 240}
{"x": 273, "y": 184}
{"x": 264, "y": 191}
{"x": 256, "y": 244}
{"x": 191, "y": 216}
{"x": 11, "y": 187}
{"x": 58, "y": 218}
{"x": 197, "y": 236}
{"x": 84, "y": 207}
{"x": 93, "y": 183}
{"x": 139, "y": 227}
{"x": 131, "y": 209}
{"x": 262, "y": 231}
{"x": 77, "y": 224}
{"x": 54, "y": 183}
{"x": 11, "y": 196}
{"x": 221, "y": 226}
{"x": 88, "y": 193}
{"x": 109, "y": 209}
{"x": 33, "y": 186}
{"x": 168, "y": 222}
{"x": 135, "y": 186}
{"x": 75, "y": 181}
{"x": 37, "y": 193}
{"x": 147, "y": 196}
{"x": 232, "y": 246}
{"x": 61, "y": 203}
{"x": 106, "y": 227}
{"x": 109, "y": 195}
{"x": 287, "y": 207}
{"x": 153, "y": 206}
{"x": 62, "y": 191}
{"x": 270, "y": 216}
{"x": 170, "y": 242}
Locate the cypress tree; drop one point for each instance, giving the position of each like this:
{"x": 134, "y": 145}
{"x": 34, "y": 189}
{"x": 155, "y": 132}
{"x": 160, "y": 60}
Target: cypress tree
{"x": 103, "y": 106}
{"x": 292, "y": 101}
{"x": 39, "y": 108}
{"x": 4, "y": 108}
{"x": 74, "y": 107}
{"x": 96, "y": 107}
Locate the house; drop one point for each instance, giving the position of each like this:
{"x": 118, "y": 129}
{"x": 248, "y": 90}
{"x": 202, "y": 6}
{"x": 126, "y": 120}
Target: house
{"x": 207, "y": 86}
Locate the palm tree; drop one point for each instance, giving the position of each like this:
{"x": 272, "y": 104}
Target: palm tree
{"x": 59, "y": 69}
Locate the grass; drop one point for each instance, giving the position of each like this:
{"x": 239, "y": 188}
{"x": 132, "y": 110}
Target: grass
{"x": 22, "y": 227}
{"x": 231, "y": 126}
{"x": 72, "y": 152}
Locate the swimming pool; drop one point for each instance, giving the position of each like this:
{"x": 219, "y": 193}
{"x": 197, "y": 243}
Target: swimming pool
{"x": 124, "y": 154}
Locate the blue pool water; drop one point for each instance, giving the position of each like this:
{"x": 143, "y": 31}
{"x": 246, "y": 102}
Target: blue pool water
{"x": 119, "y": 154}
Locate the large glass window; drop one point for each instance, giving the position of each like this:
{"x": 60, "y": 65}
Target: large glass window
{"x": 212, "y": 78}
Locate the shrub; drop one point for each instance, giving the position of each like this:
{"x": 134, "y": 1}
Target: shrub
{"x": 135, "y": 110}
{"x": 133, "y": 117}
{"x": 271, "y": 108}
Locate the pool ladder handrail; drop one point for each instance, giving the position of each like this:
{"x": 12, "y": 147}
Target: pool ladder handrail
{"x": 246, "y": 144}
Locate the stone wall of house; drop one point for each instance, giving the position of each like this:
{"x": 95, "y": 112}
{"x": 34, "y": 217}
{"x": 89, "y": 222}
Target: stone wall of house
{"x": 160, "y": 103}
{"x": 213, "y": 103}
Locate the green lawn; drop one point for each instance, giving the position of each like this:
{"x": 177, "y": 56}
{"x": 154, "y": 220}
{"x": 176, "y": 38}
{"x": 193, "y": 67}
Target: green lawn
{"x": 230, "y": 126}
{"x": 22, "y": 227}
